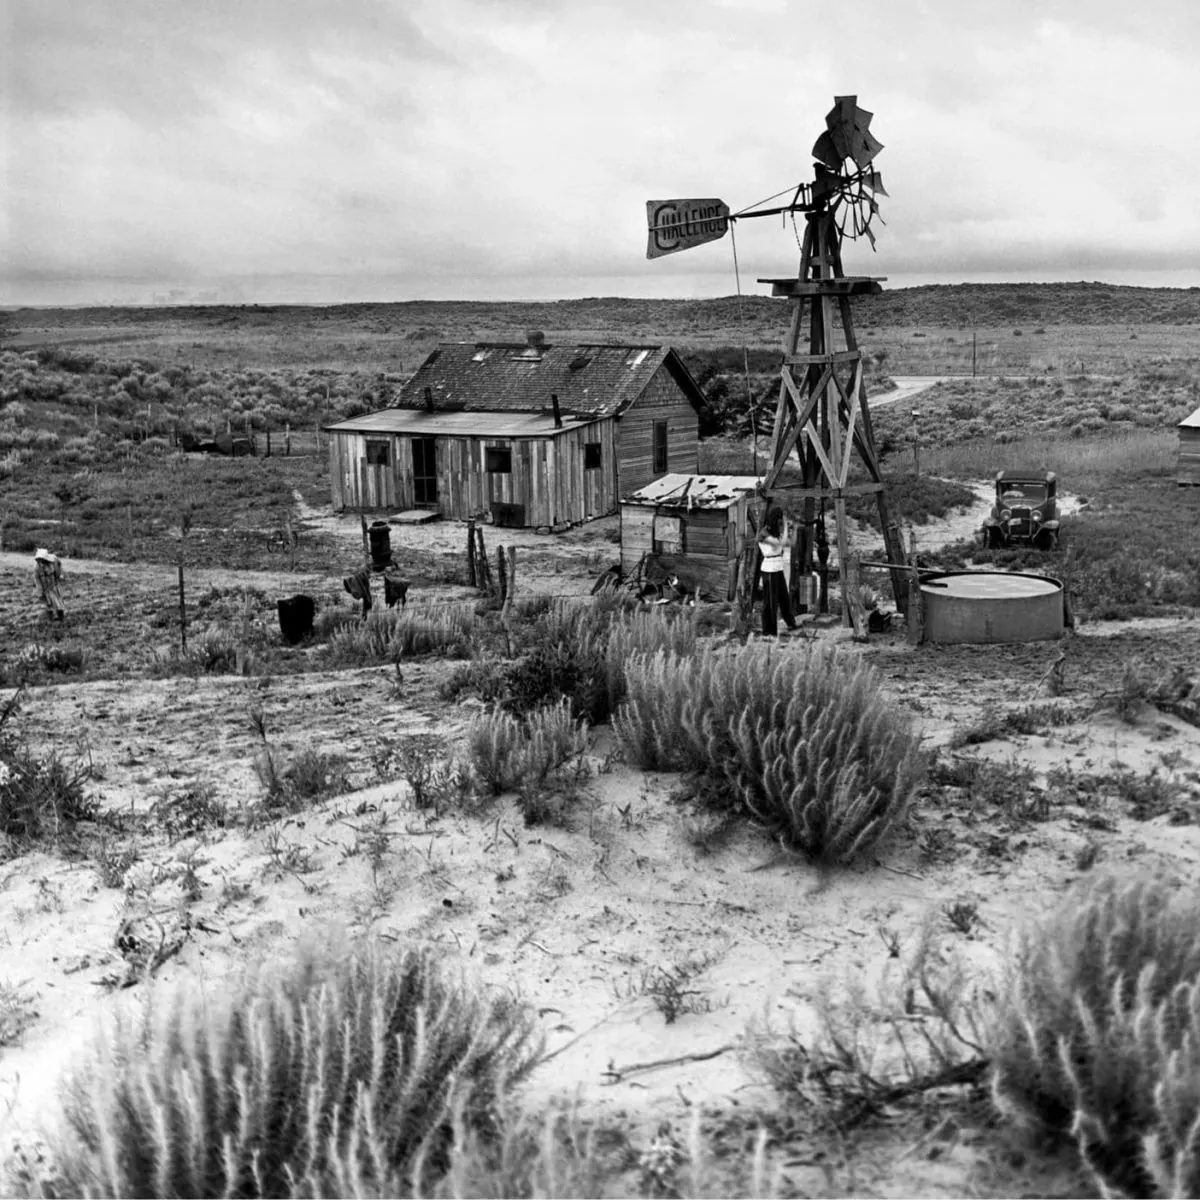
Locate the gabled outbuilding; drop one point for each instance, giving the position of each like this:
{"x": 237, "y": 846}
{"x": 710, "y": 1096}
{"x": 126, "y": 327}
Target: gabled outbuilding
{"x": 528, "y": 434}
{"x": 1189, "y": 451}
{"x": 691, "y": 526}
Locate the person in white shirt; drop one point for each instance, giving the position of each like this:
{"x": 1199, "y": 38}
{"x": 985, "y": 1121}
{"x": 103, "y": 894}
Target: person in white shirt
{"x": 773, "y": 544}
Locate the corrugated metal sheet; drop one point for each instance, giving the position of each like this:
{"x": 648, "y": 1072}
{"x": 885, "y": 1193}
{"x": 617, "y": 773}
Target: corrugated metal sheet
{"x": 1191, "y": 422}
{"x": 694, "y": 491}
{"x": 457, "y": 424}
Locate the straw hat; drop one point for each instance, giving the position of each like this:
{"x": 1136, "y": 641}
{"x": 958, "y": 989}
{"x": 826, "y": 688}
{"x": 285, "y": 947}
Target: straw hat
{"x": 44, "y": 555}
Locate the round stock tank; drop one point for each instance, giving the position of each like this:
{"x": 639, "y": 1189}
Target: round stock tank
{"x": 991, "y": 606}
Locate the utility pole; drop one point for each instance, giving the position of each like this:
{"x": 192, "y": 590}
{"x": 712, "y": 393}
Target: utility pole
{"x": 972, "y": 345}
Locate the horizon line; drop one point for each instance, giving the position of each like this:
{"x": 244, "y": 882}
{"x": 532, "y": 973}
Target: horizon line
{"x": 182, "y": 304}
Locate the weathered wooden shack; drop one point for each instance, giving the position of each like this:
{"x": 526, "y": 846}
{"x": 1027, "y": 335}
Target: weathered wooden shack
{"x": 690, "y": 526}
{"x": 528, "y": 434}
{"x": 1189, "y": 451}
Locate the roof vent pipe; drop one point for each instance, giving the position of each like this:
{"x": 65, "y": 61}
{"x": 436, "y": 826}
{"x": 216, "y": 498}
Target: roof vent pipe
{"x": 557, "y": 410}
{"x": 536, "y": 338}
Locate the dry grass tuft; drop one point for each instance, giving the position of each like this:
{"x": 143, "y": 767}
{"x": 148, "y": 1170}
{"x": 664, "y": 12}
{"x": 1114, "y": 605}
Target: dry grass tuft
{"x": 390, "y": 634}
{"x": 336, "y": 1076}
{"x": 1097, "y": 1037}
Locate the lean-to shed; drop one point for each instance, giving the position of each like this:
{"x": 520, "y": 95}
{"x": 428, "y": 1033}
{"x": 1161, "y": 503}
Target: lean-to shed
{"x": 691, "y": 526}
{"x": 529, "y": 434}
{"x": 1189, "y": 451}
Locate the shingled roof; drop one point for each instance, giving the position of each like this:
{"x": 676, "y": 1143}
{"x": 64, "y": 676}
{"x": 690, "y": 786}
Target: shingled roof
{"x": 589, "y": 380}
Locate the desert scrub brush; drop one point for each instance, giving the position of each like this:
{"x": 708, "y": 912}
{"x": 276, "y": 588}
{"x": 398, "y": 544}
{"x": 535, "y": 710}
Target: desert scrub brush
{"x": 644, "y": 631}
{"x": 335, "y": 1073}
{"x": 1095, "y": 1038}
{"x": 447, "y": 630}
{"x": 805, "y": 742}
{"x": 552, "y": 737}
{"x": 506, "y": 750}
{"x": 495, "y": 739}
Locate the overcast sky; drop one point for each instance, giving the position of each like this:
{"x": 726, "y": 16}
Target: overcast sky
{"x": 333, "y": 150}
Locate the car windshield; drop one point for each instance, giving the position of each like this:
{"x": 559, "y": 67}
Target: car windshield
{"x": 1012, "y": 492}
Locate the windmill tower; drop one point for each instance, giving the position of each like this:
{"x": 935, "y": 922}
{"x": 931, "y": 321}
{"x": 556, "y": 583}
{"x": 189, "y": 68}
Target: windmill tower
{"x": 822, "y": 420}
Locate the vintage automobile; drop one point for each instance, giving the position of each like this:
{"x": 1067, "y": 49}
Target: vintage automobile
{"x": 1026, "y": 510}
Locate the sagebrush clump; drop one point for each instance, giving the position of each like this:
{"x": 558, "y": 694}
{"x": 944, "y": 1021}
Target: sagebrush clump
{"x": 575, "y": 649}
{"x": 390, "y": 634}
{"x": 335, "y": 1076}
{"x": 539, "y": 754}
{"x": 42, "y": 797}
{"x": 1097, "y": 1035}
{"x": 805, "y": 742}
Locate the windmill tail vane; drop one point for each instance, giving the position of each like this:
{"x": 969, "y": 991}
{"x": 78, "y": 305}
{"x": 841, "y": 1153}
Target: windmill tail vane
{"x": 845, "y": 183}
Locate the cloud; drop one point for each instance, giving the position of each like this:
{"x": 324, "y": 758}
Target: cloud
{"x": 428, "y": 146}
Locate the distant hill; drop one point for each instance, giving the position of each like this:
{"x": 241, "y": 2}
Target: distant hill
{"x": 1035, "y": 303}
{"x": 944, "y": 305}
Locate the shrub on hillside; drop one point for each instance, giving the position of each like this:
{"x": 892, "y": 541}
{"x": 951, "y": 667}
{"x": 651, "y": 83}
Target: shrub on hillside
{"x": 912, "y": 499}
{"x": 804, "y": 741}
{"x": 1097, "y": 1034}
{"x": 335, "y": 1076}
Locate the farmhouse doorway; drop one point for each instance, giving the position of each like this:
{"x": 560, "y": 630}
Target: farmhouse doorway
{"x": 425, "y": 472}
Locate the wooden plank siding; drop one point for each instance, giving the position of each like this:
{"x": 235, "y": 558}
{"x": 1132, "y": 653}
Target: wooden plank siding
{"x": 1188, "y": 473}
{"x": 548, "y": 477}
{"x": 662, "y": 400}
{"x": 712, "y": 540}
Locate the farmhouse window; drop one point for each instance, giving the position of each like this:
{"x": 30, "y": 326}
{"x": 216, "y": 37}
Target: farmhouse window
{"x": 660, "y": 447}
{"x": 591, "y": 456}
{"x": 378, "y": 454}
{"x": 499, "y": 460}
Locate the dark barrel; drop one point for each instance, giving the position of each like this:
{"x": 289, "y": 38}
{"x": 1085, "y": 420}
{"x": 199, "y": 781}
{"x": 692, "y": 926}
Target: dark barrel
{"x": 380, "y": 535}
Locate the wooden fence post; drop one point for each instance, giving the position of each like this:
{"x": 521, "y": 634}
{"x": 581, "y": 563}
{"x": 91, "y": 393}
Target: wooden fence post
{"x": 510, "y": 585}
{"x": 916, "y": 614}
{"x": 471, "y": 577}
{"x": 241, "y": 658}
{"x": 501, "y": 575}
{"x": 483, "y": 567}
{"x": 894, "y": 544}
{"x": 853, "y": 598}
{"x": 182, "y": 605}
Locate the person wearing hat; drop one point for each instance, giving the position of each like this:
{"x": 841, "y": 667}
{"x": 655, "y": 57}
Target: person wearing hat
{"x": 47, "y": 571}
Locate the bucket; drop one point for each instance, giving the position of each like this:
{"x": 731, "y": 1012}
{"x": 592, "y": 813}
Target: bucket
{"x": 808, "y": 591}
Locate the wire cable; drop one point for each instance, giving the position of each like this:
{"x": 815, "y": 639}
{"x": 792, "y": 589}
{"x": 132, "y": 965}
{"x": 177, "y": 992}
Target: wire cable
{"x": 737, "y": 275}
{"x": 766, "y": 200}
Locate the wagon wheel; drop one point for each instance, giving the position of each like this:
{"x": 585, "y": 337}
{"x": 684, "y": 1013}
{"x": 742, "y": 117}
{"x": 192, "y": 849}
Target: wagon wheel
{"x": 608, "y": 580}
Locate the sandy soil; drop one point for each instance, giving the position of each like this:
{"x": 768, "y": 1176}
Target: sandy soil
{"x": 576, "y": 920}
